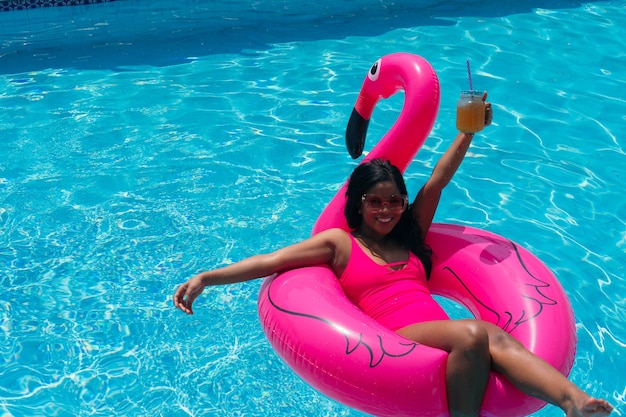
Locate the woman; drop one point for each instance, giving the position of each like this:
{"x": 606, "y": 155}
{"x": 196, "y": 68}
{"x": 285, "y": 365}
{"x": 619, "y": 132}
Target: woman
{"x": 385, "y": 259}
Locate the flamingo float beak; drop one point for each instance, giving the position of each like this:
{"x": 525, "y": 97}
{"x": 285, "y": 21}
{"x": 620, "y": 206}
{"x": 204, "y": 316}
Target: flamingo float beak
{"x": 355, "y": 134}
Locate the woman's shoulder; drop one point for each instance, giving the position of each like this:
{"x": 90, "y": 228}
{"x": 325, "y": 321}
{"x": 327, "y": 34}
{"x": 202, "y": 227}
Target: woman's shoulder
{"x": 338, "y": 239}
{"x": 335, "y": 233}
{"x": 341, "y": 243}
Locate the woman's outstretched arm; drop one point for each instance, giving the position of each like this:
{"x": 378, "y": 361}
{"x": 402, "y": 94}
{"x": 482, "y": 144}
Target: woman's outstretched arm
{"x": 326, "y": 247}
{"x": 427, "y": 199}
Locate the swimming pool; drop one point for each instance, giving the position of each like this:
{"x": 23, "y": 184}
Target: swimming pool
{"x": 141, "y": 144}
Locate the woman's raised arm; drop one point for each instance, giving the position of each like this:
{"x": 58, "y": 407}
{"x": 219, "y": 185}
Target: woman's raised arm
{"x": 427, "y": 200}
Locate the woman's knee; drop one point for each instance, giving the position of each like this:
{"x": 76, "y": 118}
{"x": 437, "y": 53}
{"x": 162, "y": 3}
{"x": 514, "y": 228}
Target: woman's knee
{"x": 501, "y": 341}
{"x": 474, "y": 339}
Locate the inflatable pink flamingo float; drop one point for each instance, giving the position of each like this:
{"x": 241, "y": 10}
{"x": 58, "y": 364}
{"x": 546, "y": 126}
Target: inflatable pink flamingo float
{"x": 346, "y": 355}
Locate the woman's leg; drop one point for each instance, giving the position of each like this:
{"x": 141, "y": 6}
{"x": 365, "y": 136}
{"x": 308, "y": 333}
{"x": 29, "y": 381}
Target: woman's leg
{"x": 506, "y": 355}
{"x": 535, "y": 377}
{"x": 469, "y": 360}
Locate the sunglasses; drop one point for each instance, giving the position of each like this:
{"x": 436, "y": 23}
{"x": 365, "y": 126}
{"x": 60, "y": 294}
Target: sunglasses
{"x": 395, "y": 203}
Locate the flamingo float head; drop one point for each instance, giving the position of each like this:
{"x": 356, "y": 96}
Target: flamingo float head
{"x": 387, "y": 76}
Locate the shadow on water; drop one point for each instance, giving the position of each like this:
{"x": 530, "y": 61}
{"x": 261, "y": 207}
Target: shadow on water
{"x": 128, "y": 33}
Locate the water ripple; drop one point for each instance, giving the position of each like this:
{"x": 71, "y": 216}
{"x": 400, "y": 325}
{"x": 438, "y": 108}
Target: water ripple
{"x": 118, "y": 184}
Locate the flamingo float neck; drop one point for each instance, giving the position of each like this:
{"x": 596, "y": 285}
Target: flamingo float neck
{"x": 390, "y": 74}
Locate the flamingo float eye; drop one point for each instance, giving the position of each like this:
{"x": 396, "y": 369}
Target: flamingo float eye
{"x": 374, "y": 71}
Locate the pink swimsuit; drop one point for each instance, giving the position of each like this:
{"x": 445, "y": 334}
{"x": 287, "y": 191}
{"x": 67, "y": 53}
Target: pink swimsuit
{"x": 394, "y": 298}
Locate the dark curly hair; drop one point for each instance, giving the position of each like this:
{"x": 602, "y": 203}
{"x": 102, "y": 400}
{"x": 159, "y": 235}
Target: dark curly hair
{"x": 407, "y": 232}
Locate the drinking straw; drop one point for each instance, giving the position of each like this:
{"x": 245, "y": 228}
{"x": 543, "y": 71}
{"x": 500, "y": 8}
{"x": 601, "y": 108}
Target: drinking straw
{"x": 469, "y": 74}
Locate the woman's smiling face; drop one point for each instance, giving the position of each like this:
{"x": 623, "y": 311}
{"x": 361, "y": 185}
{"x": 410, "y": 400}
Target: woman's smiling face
{"x": 382, "y": 221}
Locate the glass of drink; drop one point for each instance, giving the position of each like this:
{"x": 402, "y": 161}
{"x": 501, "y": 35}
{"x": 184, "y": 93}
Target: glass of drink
{"x": 470, "y": 112}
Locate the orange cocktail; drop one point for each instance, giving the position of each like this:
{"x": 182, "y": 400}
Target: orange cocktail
{"x": 470, "y": 112}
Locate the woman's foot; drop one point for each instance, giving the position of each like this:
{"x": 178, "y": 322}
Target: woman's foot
{"x": 589, "y": 407}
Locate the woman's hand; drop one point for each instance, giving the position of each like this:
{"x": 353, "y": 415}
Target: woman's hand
{"x": 488, "y": 110}
{"x": 188, "y": 292}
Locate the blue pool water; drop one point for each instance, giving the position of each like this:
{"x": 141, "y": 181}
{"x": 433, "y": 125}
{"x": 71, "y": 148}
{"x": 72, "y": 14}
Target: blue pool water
{"x": 144, "y": 141}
